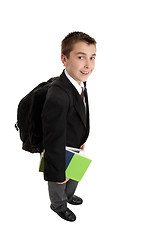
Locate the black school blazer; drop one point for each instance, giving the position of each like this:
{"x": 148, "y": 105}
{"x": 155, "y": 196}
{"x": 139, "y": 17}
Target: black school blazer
{"x": 65, "y": 122}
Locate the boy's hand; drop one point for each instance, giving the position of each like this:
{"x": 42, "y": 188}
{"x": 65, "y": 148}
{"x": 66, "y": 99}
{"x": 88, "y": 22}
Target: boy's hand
{"x": 82, "y": 147}
{"x": 67, "y": 179}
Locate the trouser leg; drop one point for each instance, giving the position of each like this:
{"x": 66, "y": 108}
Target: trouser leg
{"x": 57, "y": 196}
{"x": 71, "y": 186}
{"x": 61, "y": 193}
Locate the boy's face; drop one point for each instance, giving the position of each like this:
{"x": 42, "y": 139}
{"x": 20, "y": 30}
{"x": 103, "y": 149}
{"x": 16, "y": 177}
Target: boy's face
{"x": 81, "y": 61}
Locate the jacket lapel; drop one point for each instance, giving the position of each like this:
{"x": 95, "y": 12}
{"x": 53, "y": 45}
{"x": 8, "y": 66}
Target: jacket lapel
{"x": 77, "y": 100}
{"x": 79, "y": 106}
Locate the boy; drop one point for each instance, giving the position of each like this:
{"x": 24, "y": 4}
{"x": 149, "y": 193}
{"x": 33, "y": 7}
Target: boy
{"x": 65, "y": 119}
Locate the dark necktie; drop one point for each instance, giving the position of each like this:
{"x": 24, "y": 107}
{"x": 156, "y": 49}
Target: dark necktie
{"x": 84, "y": 97}
{"x": 82, "y": 94}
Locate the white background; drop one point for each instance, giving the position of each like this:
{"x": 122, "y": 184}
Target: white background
{"x": 121, "y": 189}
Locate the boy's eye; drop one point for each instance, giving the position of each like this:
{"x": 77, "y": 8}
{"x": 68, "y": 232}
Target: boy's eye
{"x": 80, "y": 57}
{"x": 92, "y": 58}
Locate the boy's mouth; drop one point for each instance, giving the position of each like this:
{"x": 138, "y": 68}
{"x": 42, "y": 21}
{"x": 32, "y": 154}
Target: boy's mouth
{"x": 84, "y": 72}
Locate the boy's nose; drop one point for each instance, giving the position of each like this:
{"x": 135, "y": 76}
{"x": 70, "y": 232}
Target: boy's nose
{"x": 87, "y": 65}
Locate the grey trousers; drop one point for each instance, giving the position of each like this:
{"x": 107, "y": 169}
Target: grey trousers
{"x": 61, "y": 193}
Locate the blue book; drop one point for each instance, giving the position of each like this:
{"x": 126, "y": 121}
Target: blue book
{"x": 69, "y": 155}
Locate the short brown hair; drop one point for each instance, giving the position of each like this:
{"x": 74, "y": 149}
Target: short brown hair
{"x": 72, "y": 38}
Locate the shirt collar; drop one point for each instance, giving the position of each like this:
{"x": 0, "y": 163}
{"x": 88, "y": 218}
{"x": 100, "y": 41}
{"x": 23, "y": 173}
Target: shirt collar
{"x": 75, "y": 84}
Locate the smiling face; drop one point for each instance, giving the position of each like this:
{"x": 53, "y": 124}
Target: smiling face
{"x": 81, "y": 61}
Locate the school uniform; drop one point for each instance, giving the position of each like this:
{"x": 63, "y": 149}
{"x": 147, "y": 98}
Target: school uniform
{"x": 65, "y": 121}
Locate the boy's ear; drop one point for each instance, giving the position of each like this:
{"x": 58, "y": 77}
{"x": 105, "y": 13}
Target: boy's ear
{"x": 64, "y": 59}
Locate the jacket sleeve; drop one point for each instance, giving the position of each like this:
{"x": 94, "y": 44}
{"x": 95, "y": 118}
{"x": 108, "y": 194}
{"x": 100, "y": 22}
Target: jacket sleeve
{"x": 54, "y": 120}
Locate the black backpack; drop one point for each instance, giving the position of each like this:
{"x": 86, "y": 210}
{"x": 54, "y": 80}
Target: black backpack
{"x": 29, "y": 121}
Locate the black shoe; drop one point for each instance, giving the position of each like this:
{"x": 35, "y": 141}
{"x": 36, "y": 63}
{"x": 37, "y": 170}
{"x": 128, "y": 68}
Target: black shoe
{"x": 76, "y": 200}
{"x": 67, "y": 215}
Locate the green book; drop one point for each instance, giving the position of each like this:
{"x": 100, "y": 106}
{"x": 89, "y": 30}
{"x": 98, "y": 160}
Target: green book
{"x": 76, "y": 164}
{"x": 41, "y": 166}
